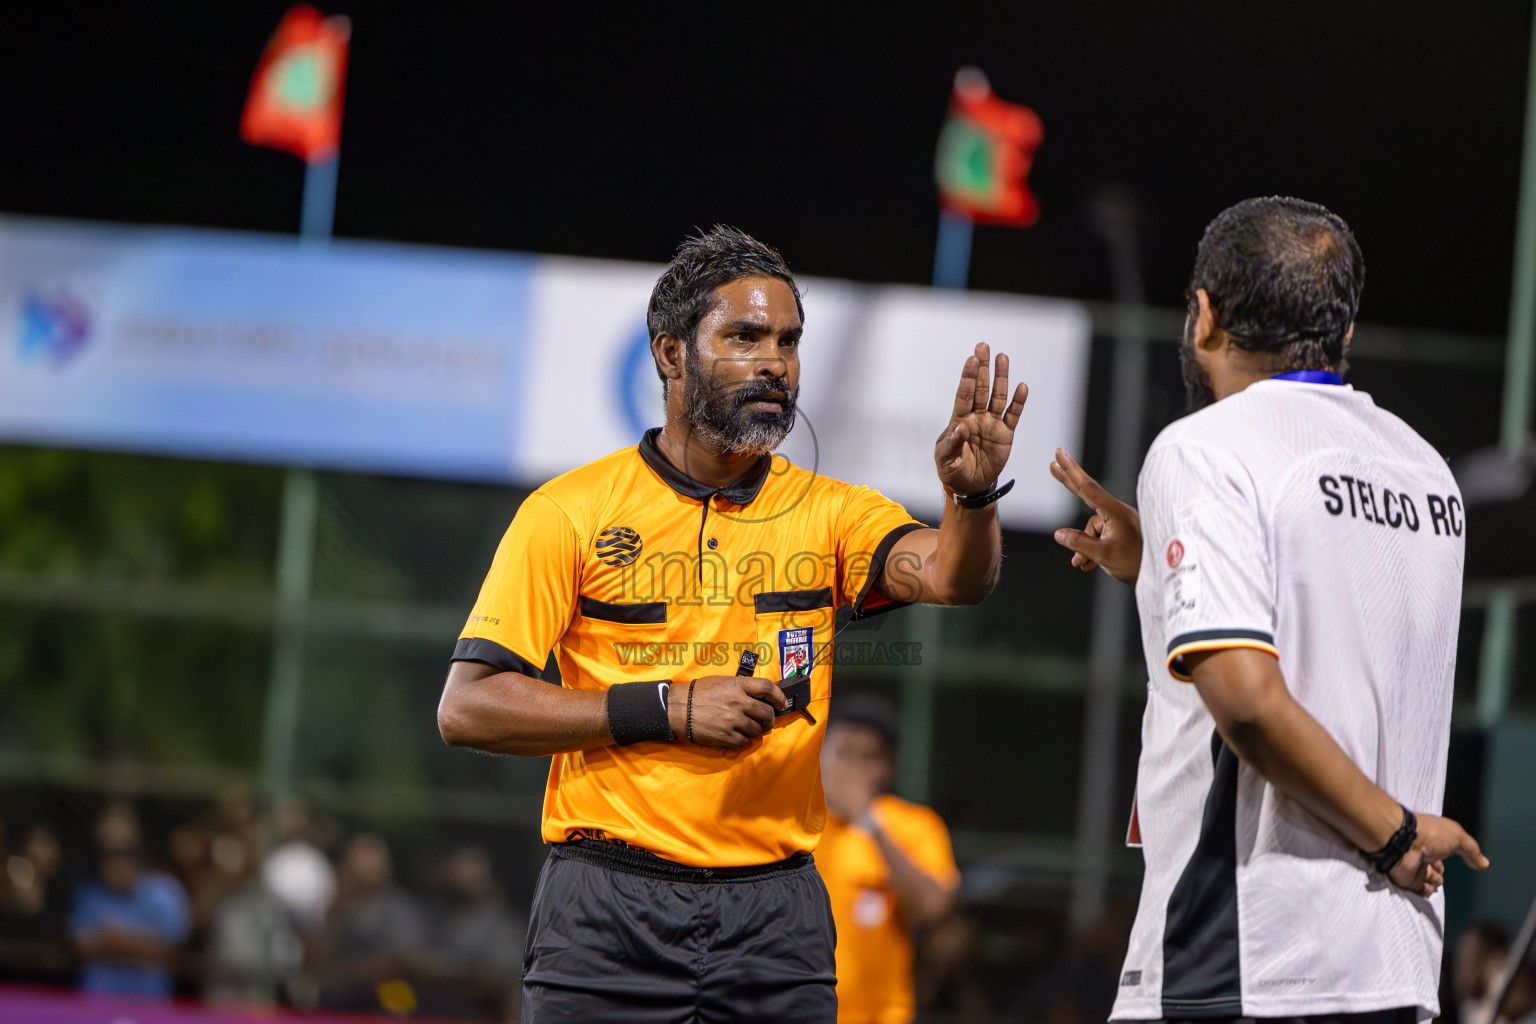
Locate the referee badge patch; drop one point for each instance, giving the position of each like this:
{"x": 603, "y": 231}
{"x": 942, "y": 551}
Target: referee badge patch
{"x": 797, "y": 656}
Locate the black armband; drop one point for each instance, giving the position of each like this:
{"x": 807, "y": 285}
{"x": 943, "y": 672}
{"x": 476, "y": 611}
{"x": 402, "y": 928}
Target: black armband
{"x": 1386, "y": 858}
{"x": 983, "y": 499}
{"x": 638, "y": 712}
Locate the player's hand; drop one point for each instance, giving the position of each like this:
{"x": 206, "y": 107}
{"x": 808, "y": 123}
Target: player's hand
{"x": 1112, "y": 538}
{"x": 728, "y": 711}
{"x": 1422, "y": 869}
{"x": 973, "y": 449}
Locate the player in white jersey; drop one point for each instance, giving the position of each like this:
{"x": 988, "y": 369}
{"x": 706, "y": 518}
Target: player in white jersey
{"x": 1297, "y": 557}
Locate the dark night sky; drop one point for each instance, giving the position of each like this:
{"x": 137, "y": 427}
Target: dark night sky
{"x": 606, "y": 132}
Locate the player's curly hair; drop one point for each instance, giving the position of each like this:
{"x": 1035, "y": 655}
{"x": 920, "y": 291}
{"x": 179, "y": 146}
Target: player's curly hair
{"x": 1284, "y": 277}
{"x": 685, "y": 290}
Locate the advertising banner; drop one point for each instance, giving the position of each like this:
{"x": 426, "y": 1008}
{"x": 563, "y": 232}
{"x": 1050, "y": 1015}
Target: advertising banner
{"x": 454, "y": 364}
{"x": 225, "y": 346}
{"x": 878, "y": 370}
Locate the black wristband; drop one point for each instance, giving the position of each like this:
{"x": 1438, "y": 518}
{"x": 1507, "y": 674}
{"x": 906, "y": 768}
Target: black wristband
{"x": 1386, "y": 858}
{"x": 638, "y": 712}
{"x": 984, "y": 499}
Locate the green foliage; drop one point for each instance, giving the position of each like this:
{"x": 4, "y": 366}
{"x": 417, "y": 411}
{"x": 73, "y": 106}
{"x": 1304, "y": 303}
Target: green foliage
{"x": 137, "y": 518}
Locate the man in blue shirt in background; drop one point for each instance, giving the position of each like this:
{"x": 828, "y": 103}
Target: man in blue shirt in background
{"x": 127, "y": 925}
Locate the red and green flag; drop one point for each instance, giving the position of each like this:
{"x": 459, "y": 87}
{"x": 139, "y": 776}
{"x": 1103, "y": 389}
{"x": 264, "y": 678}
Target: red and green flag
{"x": 296, "y": 93}
{"x": 985, "y": 152}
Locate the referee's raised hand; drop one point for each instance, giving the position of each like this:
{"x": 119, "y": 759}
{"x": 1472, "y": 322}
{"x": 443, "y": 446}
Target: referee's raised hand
{"x": 974, "y": 447}
{"x": 728, "y": 711}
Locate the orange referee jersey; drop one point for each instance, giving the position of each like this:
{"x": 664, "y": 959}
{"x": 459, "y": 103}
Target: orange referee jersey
{"x": 874, "y": 942}
{"x": 631, "y": 571}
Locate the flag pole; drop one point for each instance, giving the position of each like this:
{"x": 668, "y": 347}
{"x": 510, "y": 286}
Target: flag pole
{"x": 319, "y": 212}
{"x": 952, "y": 252}
{"x": 296, "y": 544}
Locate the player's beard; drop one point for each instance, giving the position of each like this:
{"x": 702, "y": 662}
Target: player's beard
{"x": 1198, "y": 391}
{"x": 717, "y": 413}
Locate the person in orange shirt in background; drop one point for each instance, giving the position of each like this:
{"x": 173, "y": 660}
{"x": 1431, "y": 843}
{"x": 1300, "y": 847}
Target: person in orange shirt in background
{"x": 887, "y": 864}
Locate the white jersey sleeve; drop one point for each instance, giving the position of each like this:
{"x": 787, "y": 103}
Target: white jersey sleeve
{"x": 1204, "y": 535}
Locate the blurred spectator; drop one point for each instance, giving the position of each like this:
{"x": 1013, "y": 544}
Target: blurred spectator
{"x": 34, "y": 934}
{"x": 376, "y": 938}
{"x": 1482, "y": 952}
{"x": 887, "y": 864}
{"x": 255, "y": 950}
{"x": 296, "y": 870}
{"x": 127, "y": 925}
{"x": 1078, "y": 985}
{"x": 949, "y": 969}
{"x": 478, "y": 944}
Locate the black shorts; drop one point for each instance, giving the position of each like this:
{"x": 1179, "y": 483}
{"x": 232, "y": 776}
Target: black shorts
{"x": 619, "y": 935}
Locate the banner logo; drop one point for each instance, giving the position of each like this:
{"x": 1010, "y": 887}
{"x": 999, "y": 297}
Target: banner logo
{"x": 54, "y": 327}
{"x": 639, "y": 389}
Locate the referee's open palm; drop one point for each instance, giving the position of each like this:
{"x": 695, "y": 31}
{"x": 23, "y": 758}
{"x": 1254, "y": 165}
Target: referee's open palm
{"x": 973, "y": 449}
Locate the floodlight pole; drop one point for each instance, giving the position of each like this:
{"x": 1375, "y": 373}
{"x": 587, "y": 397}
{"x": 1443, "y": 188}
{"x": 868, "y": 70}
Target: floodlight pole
{"x": 295, "y": 547}
{"x": 1497, "y": 665}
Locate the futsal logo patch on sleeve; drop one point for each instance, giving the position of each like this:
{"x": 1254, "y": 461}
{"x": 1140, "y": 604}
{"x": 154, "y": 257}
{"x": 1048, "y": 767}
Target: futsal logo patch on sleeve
{"x": 797, "y": 656}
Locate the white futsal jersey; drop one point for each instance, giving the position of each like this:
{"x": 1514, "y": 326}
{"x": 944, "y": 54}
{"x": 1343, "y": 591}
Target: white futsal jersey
{"x": 1298, "y": 519}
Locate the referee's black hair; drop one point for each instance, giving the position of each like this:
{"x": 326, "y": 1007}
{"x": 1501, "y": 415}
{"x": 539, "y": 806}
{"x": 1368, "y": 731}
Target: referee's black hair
{"x": 685, "y": 290}
{"x": 1284, "y": 277}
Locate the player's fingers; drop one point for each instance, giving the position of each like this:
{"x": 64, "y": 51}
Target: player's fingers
{"x": 983, "y": 377}
{"x": 766, "y": 690}
{"x": 999, "y": 400}
{"x": 1016, "y": 407}
{"x": 1095, "y": 526}
{"x": 1472, "y": 853}
{"x": 1071, "y": 476}
{"x": 965, "y": 394}
{"x": 1080, "y": 542}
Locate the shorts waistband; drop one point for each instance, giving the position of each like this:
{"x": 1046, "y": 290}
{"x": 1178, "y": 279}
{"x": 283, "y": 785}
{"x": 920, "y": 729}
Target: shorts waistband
{"x": 639, "y": 862}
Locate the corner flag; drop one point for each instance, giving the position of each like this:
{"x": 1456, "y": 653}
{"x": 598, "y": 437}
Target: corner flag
{"x": 296, "y": 93}
{"x": 985, "y": 151}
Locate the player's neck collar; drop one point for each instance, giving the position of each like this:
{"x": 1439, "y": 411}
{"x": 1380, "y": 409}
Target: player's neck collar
{"x": 1310, "y": 377}
{"x": 739, "y": 493}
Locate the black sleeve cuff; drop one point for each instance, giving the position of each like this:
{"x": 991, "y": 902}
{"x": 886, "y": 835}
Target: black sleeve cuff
{"x": 871, "y": 601}
{"x": 493, "y": 654}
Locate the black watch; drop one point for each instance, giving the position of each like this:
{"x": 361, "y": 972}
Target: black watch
{"x": 985, "y": 498}
{"x": 1386, "y": 858}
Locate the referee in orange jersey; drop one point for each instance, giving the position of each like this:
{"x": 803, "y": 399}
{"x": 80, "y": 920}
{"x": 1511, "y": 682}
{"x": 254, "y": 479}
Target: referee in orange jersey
{"x": 887, "y": 863}
{"x": 688, "y": 587}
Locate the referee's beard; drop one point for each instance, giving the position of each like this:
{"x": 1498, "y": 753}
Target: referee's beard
{"x": 717, "y": 414}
